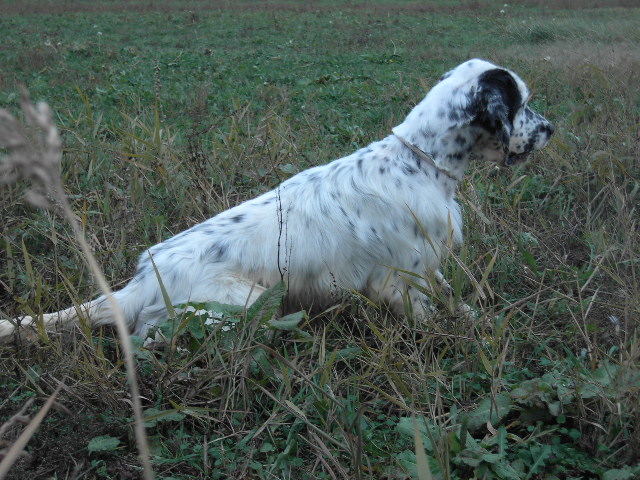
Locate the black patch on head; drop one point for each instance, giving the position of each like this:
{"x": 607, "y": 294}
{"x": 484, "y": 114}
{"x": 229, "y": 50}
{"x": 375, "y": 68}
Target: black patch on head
{"x": 496, "y": 103}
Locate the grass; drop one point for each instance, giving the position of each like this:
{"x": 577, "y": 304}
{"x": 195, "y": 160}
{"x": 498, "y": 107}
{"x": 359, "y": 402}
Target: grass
{"x": 171, "y": 115}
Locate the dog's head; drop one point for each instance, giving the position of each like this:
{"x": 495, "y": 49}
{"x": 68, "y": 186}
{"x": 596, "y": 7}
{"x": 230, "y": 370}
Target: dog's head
{"x": 476, "y": 111}
{"x": 496, "y": 100}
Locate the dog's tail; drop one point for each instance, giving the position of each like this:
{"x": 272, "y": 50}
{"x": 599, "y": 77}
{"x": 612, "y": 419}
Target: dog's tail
{"x": 95, "y": 312}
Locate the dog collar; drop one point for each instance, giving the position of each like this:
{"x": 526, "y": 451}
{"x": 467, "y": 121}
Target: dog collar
{"x": 425, "y": 156}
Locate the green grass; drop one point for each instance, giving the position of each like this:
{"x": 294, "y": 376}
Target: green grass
{"x": 245, "y": 97}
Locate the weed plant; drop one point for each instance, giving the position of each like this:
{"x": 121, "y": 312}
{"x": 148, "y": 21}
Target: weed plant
{"x": 179, "y": 111}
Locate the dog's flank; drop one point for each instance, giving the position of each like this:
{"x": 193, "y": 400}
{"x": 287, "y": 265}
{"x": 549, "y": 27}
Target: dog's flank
{"x": 352, "y": 224}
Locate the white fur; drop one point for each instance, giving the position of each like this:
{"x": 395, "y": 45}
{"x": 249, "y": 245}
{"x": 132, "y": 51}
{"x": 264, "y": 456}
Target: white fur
{"x": 352, "y": 224}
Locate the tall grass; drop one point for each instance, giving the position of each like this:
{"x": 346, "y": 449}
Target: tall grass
{"x": 544, "y": 382}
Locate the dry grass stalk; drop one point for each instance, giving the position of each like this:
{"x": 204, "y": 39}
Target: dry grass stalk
{"x": 34, "y": 153}
{"x": 17, "y": 449}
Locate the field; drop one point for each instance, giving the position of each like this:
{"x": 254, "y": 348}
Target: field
{"x": 173, "y": 111}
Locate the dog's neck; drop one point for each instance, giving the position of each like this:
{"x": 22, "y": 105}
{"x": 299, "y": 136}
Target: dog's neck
{"x": 443, "y": 131}
{"x": 424, "y": 156}
{"x": 450, "y": 148}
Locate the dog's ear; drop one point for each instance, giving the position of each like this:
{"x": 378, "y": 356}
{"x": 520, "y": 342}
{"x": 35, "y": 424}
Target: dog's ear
{"x": 497, "y": 101}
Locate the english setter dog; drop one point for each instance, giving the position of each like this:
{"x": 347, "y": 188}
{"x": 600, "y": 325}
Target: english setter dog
{"x": 353, "y": 224}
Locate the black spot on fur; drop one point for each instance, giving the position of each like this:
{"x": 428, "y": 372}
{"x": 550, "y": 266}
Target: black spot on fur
{"x": 143, "y": 269}
{"x": 408, "y": 169}
{"x": 217, "y": 252}
{"x": 428, "y": 133}
{"x": 460, "y": 140}
{"x": 237, "y": 218}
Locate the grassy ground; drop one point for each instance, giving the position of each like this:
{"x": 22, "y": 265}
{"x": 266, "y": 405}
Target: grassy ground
{"x": 544, "y": 385}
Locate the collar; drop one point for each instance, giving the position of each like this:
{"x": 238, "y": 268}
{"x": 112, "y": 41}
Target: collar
{"x": 425, "y": 156}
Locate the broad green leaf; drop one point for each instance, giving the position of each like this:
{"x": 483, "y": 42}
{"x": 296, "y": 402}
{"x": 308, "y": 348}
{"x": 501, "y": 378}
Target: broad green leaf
{"x": 505, "y": 471}
{"x": 626, "y": 473}
{"x": 489, "y": 410}
{"x": 267, "y": 304}
{"x": 406, "y": 427}
{"x": 288, "y": 322}
{"x": 103, "y": 443}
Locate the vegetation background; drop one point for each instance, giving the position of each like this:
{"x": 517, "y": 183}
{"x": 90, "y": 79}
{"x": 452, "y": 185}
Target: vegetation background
{"x": 172, "y": 111}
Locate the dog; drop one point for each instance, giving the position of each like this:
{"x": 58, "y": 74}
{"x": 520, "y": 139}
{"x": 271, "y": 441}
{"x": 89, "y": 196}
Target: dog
{"x": 355, "y": 224}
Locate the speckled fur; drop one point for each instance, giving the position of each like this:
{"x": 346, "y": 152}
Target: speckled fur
{"x": 352, "y": 224}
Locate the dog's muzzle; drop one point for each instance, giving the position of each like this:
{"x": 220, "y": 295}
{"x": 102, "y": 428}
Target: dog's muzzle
{"x": 512, "y": 159}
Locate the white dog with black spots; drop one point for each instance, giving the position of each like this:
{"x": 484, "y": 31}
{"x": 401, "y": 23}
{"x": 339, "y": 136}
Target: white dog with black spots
{"x": 355, "y": 224}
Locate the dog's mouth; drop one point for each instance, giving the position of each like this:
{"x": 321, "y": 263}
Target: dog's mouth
{"x": 514, "y": 159}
